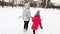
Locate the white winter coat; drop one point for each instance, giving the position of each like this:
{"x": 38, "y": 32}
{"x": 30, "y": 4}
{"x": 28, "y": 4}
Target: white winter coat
{"x": 26, "y": 13}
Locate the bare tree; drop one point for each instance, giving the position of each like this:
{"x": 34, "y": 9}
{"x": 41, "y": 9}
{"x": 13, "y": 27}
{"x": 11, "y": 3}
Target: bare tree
{"x": 15, "y": 2}
{"x": 2, "y": 3}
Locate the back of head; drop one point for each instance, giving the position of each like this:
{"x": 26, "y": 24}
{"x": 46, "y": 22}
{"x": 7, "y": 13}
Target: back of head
{"x": 38, "y": 12}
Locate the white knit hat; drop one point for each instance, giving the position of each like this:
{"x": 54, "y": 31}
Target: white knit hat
{"x": 27, "y": 5}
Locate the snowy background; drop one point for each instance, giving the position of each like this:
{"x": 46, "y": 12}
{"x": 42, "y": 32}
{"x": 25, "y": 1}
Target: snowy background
{"x": 9, "y": 23}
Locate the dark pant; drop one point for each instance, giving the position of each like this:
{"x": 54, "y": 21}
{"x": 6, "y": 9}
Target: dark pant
{"x": 26, "y": 24}
{"x": 33, "y": 31}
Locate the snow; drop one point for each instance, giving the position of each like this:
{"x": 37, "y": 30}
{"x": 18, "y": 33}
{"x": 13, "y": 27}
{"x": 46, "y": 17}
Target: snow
{"x": 9, "y": 23}
{"x": 55, "y": 1}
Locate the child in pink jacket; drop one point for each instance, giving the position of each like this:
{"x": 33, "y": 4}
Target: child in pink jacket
{"x": 36, "y": 22}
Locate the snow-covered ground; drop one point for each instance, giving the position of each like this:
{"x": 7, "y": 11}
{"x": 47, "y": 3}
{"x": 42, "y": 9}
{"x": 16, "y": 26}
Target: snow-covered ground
{"x": 9, "y": 23}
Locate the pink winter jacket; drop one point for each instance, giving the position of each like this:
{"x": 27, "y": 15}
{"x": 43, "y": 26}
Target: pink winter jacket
{"x": 36, "y": 22}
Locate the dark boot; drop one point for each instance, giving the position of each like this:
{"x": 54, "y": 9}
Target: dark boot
{"x": 33, "y": 31}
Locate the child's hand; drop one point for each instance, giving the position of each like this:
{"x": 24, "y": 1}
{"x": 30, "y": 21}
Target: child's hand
{"x": 30, "y": 16}
{"x": 19, "y": 17}
{"x": 41, "y": 27}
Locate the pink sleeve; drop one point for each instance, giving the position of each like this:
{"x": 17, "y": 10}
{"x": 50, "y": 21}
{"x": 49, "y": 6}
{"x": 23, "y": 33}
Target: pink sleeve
{"x": 40, "y": 23}
{"x": 32, "y": 19}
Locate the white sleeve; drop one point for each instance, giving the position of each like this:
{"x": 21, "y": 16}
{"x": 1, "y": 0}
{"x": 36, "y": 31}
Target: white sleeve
{"x": 30, "y": 14}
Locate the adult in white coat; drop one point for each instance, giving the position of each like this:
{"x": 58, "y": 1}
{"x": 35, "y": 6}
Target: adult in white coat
{"x": 26, "y": 16}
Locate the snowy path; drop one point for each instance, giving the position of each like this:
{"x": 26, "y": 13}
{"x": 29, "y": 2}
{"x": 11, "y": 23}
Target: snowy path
{"x": 10, "y": 25}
